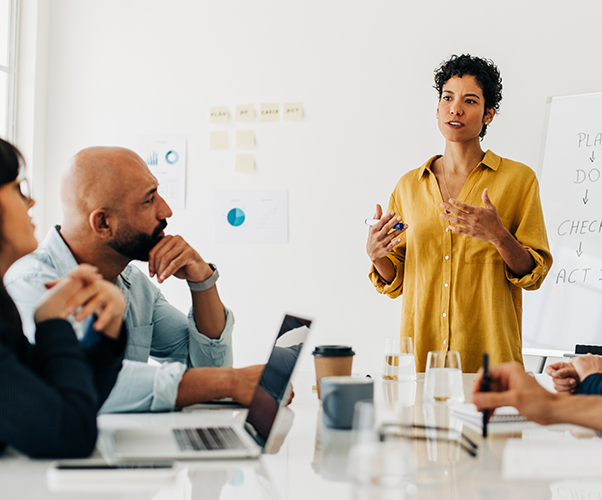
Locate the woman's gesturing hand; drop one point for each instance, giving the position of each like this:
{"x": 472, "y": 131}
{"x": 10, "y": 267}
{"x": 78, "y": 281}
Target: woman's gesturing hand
{"x": 81, "y": 293}
{"x": 382, "y": 238}
{"x": 483, "y": 223}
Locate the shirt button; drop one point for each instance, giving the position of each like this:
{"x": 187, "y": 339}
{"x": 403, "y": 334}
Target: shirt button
{"x": 446, "y": 285}
{"x": 444, "y": 315}
{"x": 447, "y": 257}
{"x": 447, "y": 229}
{"x": 445, "y": 342}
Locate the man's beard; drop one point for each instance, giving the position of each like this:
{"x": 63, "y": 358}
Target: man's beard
{"x": 136, "y": 245}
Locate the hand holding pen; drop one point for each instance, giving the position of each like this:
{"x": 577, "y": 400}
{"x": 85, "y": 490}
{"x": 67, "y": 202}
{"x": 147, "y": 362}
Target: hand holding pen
{"x": 383, "y": 234}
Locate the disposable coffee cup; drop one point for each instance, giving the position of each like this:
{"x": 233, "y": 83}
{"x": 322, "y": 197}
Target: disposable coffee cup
{"x": 332, "y": 361}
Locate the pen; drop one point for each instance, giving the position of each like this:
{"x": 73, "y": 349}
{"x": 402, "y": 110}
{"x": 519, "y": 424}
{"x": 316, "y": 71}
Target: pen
{"x": 485, "y": 388}
{"x": 372, "y": 222}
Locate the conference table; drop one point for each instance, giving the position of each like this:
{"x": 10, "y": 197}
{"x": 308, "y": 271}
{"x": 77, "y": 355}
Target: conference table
{"x": 311, "y": 463}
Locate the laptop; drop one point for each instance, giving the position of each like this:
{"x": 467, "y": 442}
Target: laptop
{"x": 224, "y": 438}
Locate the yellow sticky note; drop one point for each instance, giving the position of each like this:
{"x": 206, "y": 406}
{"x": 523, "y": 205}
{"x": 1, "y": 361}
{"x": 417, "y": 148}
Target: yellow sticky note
{"x": 218, "y": 140}
{"x": 245, "y": 113}
{"x": 292, "y": 111}
{"x": 244, "y": 163}
{"x": 245, "y": 139}
{"x": 218, "y": 114}
{"x": 270, "y": 112}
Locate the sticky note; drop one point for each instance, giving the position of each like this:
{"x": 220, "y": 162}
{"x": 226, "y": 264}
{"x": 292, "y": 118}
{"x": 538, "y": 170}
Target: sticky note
{"x": 245, "y": 113}
{"x": 270, "y": 112}
{"x": 245, "y": 139}
{"x": 292, "y": 111}
{"x": 244, "y": 163}
{"x": 218, "y": 140}
{"x": 218, "y": 114}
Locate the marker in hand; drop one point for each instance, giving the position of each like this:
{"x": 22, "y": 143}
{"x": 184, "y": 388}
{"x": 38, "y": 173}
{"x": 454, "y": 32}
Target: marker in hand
{"x": 485, "y": 386}
{"x": 372, "y": 222}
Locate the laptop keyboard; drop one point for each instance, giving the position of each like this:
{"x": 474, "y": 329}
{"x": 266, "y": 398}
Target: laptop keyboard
{"x": 208, "y": 438}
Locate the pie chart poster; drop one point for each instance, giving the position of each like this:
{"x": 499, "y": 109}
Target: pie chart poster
{"x": 251, "y": 216}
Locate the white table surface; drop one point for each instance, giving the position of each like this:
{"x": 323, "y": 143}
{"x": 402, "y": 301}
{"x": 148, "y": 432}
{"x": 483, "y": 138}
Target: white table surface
{"x": 312, "y": 462}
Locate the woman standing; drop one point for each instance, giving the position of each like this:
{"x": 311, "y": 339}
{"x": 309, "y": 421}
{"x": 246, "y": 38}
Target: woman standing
{"x": 50, "y": 392}
{"x": 473, "y": 233}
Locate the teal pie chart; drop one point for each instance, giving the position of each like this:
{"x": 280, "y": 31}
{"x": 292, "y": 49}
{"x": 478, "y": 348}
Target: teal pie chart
{"x": 236, "y": 217}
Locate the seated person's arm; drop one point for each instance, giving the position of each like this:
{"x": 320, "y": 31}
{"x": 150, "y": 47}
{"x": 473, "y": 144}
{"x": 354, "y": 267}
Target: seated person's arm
{"x": 512, "y": 386}
{"x": 105, "y": 339}
{"x": 205, "y": 384}
{"x": 589, "y": 370}
{"x": 173, "y": 256}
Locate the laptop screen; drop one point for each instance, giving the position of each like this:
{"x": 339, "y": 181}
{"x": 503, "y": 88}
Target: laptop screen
{"x": 276, "y": 377}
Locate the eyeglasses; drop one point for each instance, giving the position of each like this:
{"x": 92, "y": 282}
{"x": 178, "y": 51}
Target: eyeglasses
{"x": 24, "y": 188}
{"x": 427, "y": 432}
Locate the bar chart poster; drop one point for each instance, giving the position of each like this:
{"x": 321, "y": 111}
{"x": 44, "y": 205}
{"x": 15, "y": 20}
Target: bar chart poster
{"x": 251, "y": 216}
{"x": 165, "y": 155}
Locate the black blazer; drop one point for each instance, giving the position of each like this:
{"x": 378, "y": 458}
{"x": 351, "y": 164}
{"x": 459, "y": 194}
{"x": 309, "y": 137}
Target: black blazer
{"x": 50, "y": 393}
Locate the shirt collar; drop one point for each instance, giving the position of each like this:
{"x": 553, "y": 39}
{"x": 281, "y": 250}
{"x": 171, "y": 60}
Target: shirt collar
{"x": 490, "y": 160}
{"x": 60, "y": 254}
{"x": 63, "y": 259}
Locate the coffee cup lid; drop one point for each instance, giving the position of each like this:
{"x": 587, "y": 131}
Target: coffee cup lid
{"x": 333, "y": 351}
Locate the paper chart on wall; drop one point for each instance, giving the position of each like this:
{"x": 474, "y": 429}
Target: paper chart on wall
{"x": 251, "y": 216}
{"x": 165, "y": 155}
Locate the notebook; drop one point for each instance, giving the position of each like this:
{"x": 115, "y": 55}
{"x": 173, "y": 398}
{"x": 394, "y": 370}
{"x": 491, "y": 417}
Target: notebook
{"x": 227, "y": 439}
{"x": 506, "y": 419}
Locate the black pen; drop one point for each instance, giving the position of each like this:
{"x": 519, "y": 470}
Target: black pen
{"x": 485, "y": 388}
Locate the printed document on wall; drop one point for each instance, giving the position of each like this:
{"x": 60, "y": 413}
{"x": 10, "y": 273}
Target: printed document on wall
{"x": 251, "y": 216}
{"x": 165, "y": 155}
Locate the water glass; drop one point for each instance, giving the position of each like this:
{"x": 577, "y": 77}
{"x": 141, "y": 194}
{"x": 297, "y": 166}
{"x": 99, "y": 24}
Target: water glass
{"x": 364, "y": 421}
{"x": 382, "y": 471}
{"x": 399, "y": 364}
{"x": 443, "y": 378}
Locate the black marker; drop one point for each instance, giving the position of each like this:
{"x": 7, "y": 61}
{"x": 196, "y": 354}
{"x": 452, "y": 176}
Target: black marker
{"x": 485, "y": 388}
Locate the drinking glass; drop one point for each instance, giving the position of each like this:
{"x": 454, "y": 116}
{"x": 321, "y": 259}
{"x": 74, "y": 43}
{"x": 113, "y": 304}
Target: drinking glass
{"x": 363, "y": 425}
{"x": 399, "y": 361}
{"x": 382, "y": 471}
{"x": 443, "y": 378}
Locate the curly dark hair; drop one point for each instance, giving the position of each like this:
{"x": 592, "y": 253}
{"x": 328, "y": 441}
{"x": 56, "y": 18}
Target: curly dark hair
{"x": 485, "y": 72}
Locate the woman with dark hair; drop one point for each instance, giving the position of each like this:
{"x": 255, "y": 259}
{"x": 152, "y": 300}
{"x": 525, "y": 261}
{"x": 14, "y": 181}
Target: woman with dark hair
{"x": 50, "y": 392}
{"x": 471, "y": 234}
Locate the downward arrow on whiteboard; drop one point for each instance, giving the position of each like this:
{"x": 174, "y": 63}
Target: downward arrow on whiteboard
{"x": 579, "y": 252}
{"x": 585, "y": 198}
{"x": 592, "y": 157}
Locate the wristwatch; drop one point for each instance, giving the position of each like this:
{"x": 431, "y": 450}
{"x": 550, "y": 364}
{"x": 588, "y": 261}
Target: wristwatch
{"x": 201, "y": 286}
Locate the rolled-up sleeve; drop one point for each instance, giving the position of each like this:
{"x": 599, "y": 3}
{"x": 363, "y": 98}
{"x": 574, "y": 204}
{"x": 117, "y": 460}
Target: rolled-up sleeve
{"x": 393, "y": 289}
{"x": 531, "y": 234}
{"x": 204, "y": 351}
{"x": 141, "y": 387}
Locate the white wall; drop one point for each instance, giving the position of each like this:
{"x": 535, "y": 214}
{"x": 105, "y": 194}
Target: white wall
{"x": 363, "y": 69}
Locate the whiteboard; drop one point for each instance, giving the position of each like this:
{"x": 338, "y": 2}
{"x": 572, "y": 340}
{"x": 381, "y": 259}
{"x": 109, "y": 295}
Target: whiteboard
{"x": 567, "y": 310}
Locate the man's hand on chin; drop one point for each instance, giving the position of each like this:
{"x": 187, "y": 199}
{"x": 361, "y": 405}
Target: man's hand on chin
{"x": 173, "y": 256}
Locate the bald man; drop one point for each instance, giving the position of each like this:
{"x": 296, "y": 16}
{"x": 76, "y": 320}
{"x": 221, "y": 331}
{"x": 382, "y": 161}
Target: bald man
{"x": 113, "y": 214}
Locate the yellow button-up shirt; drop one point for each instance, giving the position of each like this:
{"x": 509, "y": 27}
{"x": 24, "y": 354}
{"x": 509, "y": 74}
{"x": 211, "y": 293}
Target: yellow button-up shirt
{"x": 458, "y": 293}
